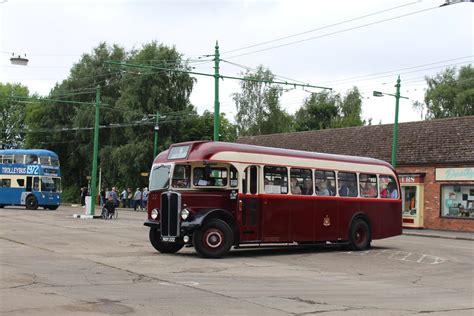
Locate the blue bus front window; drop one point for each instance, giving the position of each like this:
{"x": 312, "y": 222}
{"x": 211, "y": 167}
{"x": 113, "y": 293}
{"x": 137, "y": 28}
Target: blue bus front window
{"x": 48, "y": 185}
{"x": 160, "y": 177}
{"x": 54, "y": 161}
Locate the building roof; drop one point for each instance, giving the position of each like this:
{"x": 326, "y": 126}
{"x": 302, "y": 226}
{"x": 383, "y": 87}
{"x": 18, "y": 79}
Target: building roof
{"x": 440, "y": 141}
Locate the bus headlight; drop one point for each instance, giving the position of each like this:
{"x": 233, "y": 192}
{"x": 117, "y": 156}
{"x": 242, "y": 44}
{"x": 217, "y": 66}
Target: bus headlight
{"x": 184, "y": 214}
{"x": 154, "y": 213}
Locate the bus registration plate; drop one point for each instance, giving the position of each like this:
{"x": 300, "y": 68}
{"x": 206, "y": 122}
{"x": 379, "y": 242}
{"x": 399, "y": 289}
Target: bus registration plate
{"x": 168, "y": 239}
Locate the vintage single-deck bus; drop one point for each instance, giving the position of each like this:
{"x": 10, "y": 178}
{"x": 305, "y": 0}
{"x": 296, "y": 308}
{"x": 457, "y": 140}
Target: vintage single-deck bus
{"x": 215, "y": 195}
{"x": 30, "y": 177}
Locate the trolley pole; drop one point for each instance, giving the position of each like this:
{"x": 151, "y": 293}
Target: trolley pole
{"x": 96, "y": 149}
{"x": 216, "y": 93}
{"x": 156, "y": 128}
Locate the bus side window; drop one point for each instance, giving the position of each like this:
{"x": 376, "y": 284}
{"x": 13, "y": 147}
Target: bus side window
{"x": 5, "y": 183}
{"x": 36, "y": 185}
{"x": 20, "y": 182}
{"x": 276, "y": 180}
{"x": 29, "y": 182}
{"x": 233, "y": 177}
{"x": 347, "y": 183}
{"x": 253, "y": 180}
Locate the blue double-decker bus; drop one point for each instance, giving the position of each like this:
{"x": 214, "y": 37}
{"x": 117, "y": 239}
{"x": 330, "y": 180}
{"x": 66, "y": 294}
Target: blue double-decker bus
{"x": 30, "y": 177}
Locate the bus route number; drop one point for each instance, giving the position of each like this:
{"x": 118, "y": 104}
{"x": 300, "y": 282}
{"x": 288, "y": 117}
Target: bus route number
{"x": 32, "y": 169}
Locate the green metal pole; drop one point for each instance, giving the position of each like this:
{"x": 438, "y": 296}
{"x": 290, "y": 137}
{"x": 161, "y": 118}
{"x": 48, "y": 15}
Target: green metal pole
{"x": 155, "y": 146}
{"x": 96, "y": 149}
{"x": 395, "y": 125}
{"x": 216, "y": 93}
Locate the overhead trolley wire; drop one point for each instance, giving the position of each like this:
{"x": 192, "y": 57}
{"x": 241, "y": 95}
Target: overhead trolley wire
{"x": 320, "y": 28}
{"x": 332, "y": 33}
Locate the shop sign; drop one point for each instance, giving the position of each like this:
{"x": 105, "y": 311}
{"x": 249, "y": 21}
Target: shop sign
{"x": 411, "y": 178}
{"x": 454, "y": 174}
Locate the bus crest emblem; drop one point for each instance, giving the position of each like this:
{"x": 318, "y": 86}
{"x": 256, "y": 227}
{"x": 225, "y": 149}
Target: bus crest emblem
{"x": 327, "y": 221}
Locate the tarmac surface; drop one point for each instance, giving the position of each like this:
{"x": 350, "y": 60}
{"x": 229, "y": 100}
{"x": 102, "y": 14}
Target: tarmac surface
{"x": 54, "y": 264}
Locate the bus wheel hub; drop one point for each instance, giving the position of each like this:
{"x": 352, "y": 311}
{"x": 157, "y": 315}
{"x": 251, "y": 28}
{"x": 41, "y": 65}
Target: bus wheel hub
{"x": 213, "y": 238}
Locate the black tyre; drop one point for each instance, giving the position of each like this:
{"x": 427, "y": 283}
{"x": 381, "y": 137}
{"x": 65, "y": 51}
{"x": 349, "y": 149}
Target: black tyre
{"x": 53, "y": 207}
{"x": 104, "y": 213}
{"x": 359, "y": 235}
{"x": 161, "y": 246}
{"x": 2, "y": 206}
{"x": 214, "y": 239}
{"x": 31, "y": 202}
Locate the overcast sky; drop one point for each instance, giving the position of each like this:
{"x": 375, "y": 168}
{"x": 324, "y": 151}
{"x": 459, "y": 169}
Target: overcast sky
{"x": 54, "y": 34}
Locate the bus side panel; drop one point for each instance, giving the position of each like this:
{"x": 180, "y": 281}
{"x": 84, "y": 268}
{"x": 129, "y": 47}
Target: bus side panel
{"x": 302, "y": 214}
{"x": 390, "y": 220}
{"x": 10, "y": 196}
{"x": 275, "y": 218}
{"x": 347, "y": 208}
{"x": 326, "y": 219}
{"x": 374, "y": 209}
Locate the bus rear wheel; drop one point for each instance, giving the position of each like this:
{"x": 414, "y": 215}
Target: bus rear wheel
{"x": 161, "y": 246}
{"x": 359, "y": 235}
{"x": 31, "y": 203}
{"x": 214, "y": 239}
{"x": 53, "y": 207}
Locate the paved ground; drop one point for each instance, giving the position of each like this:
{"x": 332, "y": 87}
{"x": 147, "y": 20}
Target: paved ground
{"x": 53, "y": 264}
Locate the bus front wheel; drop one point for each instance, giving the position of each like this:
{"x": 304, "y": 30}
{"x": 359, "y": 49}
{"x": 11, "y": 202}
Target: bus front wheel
{"x": 359, "y": 235}
{"x": 161, "y": 246}
{"x": 31, "y": 203}
{"x": 214, "y": 239}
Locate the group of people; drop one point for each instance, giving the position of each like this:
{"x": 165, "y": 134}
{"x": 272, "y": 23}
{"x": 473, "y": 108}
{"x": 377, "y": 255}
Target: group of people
{"x": 127, "y": 198}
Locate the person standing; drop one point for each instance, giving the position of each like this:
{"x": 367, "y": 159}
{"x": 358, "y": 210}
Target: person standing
{"x": 83, "y": 196}
{"x": 129, "y": 197}
{"x": 137, "y": 197}
{"x": 123, "y": 196}
{"x": 144, "y": 198}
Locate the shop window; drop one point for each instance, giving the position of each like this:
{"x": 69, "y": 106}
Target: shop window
{"x": 301, "y": 181}
{"x": 275, "y": 180}
{"x": 347, "y": 184}
{"x": 388, "y": 187}
{"x": 368, "y": 185}
{"x": 325, "y": 182}
{"x": 409, "y": 200}
{"x": 457, "y": 201}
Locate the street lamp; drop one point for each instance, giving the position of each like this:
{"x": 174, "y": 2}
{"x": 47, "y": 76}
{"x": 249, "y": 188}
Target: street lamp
{"x": 18, "y": 60}
{"x": 395, "y": 125}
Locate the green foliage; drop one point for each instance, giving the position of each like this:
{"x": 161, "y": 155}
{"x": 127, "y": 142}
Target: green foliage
{"x": 328, "y": 110}
{"x": 12, "y": 115}
{"x": 258, "y": 106}
{"x": 449, "y": 94}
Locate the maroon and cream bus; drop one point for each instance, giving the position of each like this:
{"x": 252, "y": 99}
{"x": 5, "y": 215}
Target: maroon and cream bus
{"x": 215, "y": 195}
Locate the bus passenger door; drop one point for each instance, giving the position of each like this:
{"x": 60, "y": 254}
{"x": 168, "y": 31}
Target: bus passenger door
{"x": 249, "y": 204}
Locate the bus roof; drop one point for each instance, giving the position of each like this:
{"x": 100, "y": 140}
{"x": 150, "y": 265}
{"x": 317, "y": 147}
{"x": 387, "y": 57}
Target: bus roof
{"x": 40, "y": 152}
{"x": 207, "y": 150}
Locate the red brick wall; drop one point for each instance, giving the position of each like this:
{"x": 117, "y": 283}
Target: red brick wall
{"x": 432, "y": 193}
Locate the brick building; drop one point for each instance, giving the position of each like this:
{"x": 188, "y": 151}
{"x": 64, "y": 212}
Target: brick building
{"x": 435, "y": 163}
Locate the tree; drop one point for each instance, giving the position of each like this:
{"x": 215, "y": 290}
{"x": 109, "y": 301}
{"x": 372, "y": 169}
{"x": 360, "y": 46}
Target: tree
{"x": 449, "y": 94}
{"x": 12, "y": 113}
{"x": 328, "y": 110}
{"x": 258, "y": 105}
{"x": 350, "y": 110}
{"x": 318, "y": 112}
